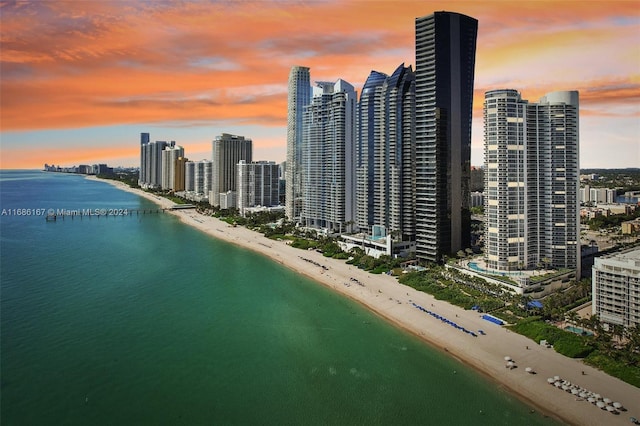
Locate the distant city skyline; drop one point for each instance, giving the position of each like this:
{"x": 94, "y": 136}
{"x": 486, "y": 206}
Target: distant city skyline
{"x": 82, "y": 80}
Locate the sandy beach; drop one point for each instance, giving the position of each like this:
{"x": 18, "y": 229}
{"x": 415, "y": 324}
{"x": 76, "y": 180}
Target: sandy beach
{"x": 486, "y": 353}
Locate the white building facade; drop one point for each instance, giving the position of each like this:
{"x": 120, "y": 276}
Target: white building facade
{"x": 328, "y": 158}
{"x": 531, "y": 181}
{"x": 616, "y": 288}
{"x": 151, "y": 162}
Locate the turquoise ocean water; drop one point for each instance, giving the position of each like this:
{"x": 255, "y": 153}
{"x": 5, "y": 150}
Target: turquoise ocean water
{"x": 141, "y": 320}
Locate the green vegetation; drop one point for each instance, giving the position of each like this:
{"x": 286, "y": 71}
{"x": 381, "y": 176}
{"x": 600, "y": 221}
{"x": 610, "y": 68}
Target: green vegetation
{"x": 626, "y": 372}
{"x": 625, "y": 179}
{"x": 564, "y": 342}
{"x": 381, "y": 265}
{"x": 604, "y": 222}
{"x": 455, "y": 288}
{"x": 129, "y": 178}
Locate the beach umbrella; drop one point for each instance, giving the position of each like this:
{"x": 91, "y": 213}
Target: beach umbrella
{"x": 507, "y": 358}
{"x": 591, "y": 400}
{"x": 600, "y": 404}
{"x": 558, "y": 384}
{"x": 583, "y": 395}
{"x": 565, "y": 387}
{"x": 597, "y": 396}
{"x": 610, "y": 409}
{"x": 556, "y": 378}
{"x": 551, "y": 380}
{"x": 617, "y": 405}
{"x": 607, "y": 401}
{"x": 575, "y": 391}
{"x": 529, "y": 370}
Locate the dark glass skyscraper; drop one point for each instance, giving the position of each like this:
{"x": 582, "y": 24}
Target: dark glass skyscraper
{"x": 385, "y": 154}
{"x": 445, "y": 62}
{"x": 299, "y": 97}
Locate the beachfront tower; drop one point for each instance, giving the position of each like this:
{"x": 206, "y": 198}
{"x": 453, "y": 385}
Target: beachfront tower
{"x": 144, "y": 141}
{"x": 531, "y": 181}
{"x": 258, "y": 185}
{"x": 228, "y": 150}
{"x": 385, "y": 166}
{"x": 150, "y": 162}
{"x": 170, "y": 156}
{"x": 445, "y": 62}
{"x": 616, "y": 288}
{"x": 328, "y": 158}
{"x": 299, "y": 96}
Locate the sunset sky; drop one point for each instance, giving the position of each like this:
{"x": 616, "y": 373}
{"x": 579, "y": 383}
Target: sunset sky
{"x": 80, "y": 80}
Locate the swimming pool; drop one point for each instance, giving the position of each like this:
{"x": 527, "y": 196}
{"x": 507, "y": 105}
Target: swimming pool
{"x": 577, "y": 330}
{"x": 474, "y": 266}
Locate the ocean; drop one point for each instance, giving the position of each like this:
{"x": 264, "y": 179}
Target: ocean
{"x": 142, "y": 320}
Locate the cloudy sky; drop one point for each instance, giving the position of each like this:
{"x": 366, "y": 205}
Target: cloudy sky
{"x": 81, "y": 79}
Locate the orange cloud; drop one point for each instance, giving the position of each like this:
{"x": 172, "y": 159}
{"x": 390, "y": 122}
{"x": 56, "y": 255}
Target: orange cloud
{"x": 69, "y": 64}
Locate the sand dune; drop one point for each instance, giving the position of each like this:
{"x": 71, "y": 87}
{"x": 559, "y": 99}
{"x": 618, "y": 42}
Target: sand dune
{"x": 486, "y": 353}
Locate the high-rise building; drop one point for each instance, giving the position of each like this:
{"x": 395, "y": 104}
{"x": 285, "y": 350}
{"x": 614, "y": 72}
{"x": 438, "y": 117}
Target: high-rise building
{"x": 385, "y": 166}
{"x": 156, "y": 149}
{"x": 258, "y": 184}
{"x": 532, "y": 179}
{"x": 144, "y": 140}
{"x": 202, "y": 177}
{"x": 299, "y": 96}
{"x": 180, "y": 174}
{"x": 170, "y": 155}
{"x": 190, "y": 176}
{"x": 150, "y": 162}
{"x": 328, "y": 157}
{"x": 445, "y": 62}
{"x": 228, "y": 150}
{"x": 616, "y": 288}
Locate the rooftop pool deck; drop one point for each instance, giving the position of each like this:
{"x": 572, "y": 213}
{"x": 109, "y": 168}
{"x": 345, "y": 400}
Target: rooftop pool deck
{"x": 474, "y": 266}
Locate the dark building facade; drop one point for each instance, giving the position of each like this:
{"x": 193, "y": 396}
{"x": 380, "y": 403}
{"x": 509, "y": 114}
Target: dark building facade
{"x": 445, "y": 63}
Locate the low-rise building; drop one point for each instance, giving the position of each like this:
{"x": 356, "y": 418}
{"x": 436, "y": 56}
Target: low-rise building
{"x": 631, "y": 227}
{"x": 616, "y": 288}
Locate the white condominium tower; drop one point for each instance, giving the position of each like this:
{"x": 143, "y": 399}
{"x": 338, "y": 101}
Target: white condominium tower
{"x": 532, "y": 179}
{"x": 170, "y": 156}
{"x": 385, "y": 155}
{"x": 198, "y": 177}
{"x": 616, "y": 288}
{"x": 202, "y": 177}
{"x": 328, "y": 158}
{"x": 299, "y": 96}
{"x": 228, "y": 150}
{"x": 151, "y": 162}
{"x": 445, "y": 62}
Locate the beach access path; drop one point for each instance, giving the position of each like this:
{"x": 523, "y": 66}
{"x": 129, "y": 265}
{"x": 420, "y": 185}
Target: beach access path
{"x": 486, "y": 353}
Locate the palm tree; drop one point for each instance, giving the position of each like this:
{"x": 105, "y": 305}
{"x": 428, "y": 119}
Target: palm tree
{"x": 632, "y": 347}
{"x": 572, "y": 317}
{"x": 618, "y": 332}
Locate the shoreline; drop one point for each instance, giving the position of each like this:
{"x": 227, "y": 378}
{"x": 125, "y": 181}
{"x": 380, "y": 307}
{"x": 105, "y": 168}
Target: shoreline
{"x": 392, "y": 301}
